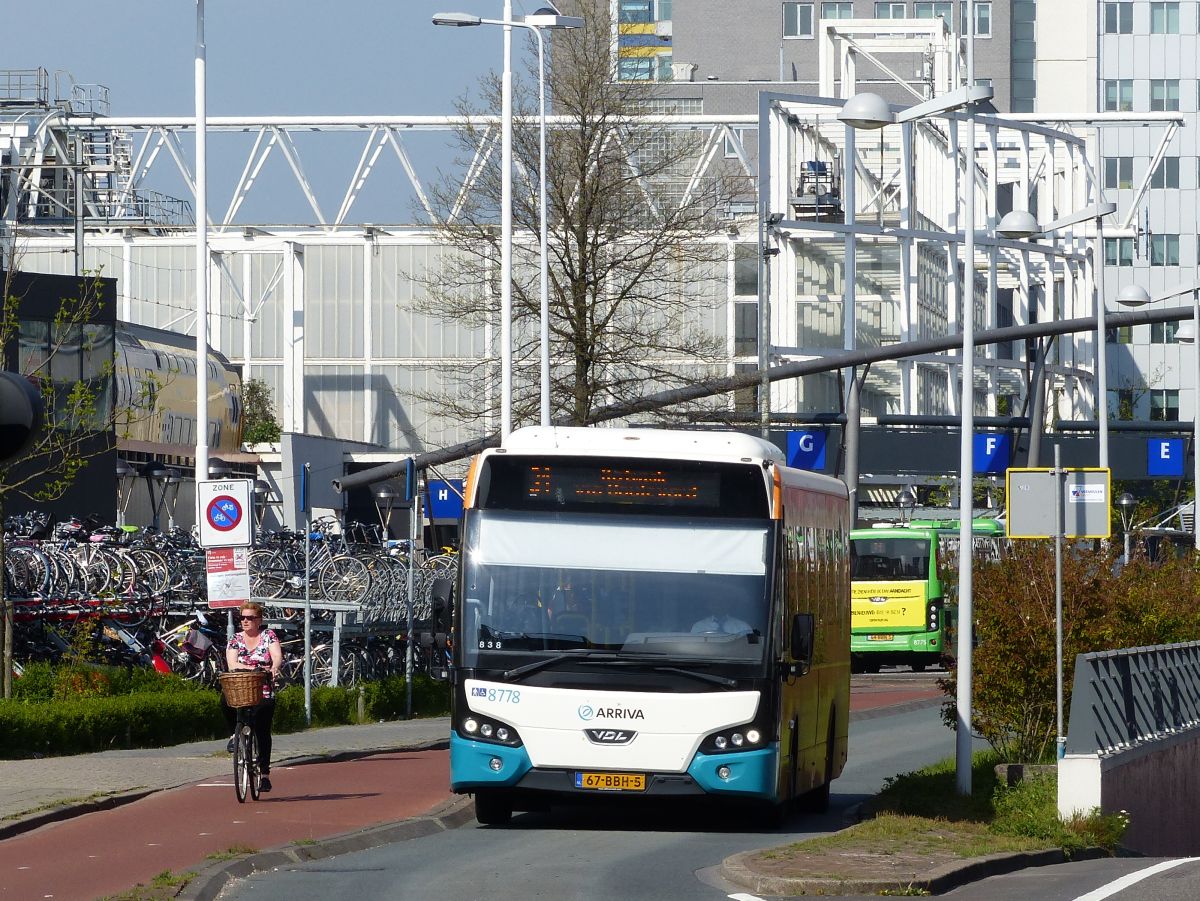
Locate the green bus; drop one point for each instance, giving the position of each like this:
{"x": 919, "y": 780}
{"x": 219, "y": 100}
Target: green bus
{"x": 900, "y": 612}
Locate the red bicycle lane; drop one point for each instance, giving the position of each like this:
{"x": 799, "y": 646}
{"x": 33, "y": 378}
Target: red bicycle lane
{"x": 109, "y": 851}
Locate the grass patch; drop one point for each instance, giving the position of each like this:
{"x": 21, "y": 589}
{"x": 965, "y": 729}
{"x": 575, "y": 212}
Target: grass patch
{"x": 921, "y": 822}
{"x": 164, "y": 886}
{"x": 232, "y": 852}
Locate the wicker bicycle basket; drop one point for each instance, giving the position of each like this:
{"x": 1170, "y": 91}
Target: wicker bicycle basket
{"x": 243, "y": 688}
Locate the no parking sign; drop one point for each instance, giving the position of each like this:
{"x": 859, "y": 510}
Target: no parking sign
{"x": 226, "y": 516}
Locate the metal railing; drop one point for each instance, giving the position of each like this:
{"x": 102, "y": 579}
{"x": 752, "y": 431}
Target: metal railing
{"x": 24, "y": 87}
{"x": 1125, "y": 698}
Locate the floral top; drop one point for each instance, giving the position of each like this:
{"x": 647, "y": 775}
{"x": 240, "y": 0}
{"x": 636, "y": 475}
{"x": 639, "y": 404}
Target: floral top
{"x": 259, "y": 657}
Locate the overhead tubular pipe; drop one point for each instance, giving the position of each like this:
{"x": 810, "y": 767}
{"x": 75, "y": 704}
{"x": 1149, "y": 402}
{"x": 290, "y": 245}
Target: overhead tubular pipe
{"x": 785, "y": 371}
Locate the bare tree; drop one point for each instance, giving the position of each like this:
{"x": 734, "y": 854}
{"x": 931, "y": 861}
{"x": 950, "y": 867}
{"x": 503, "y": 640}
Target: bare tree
{"x": 637, "y": 254}
{"x": 67, "y": 354}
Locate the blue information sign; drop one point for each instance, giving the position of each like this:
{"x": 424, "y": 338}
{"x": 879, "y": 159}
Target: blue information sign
{"x": 1164, "y": 457}
{"x": 806, "y": 449}
{"x": 992, "y": 453}
{"x": 445, "y": 498}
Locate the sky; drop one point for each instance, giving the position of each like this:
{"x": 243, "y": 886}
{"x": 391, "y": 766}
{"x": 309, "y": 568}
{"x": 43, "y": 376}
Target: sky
{"x": 268, "y": 57}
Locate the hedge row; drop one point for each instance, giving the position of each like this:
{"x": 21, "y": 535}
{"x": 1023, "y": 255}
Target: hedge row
{"x": 34, "y": 724}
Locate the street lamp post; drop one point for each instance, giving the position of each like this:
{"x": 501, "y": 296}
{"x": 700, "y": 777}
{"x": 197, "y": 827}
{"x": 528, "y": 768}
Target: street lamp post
{"x": 125, "y": 478}
{"x": 385, "y": 499}
{"x": 872, "y": 111}
{"x": 546, "y": 17}
{"x": 1136, "y": 296}
{"x": 201, "y": 250}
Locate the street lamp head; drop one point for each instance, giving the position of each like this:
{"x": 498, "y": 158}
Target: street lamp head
{"x": 261, "y": 490}
{"x": 1133, "y": 296}
{"x": 385, "y": 496}
{"x": 1018, "y": 224}
{"x": 218, "y": 469}
{"x": 907, "y": 500}
{"x": 456, "y": 20}
{"x": 869, "y": 111}
{"x": 1186, "y": 333}
{"x": 124, "y": 470}
{"x": 1126, "y": 502}
{"x": 549, "y": 17}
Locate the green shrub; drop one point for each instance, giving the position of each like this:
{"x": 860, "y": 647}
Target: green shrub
{"x": 142, "y": 708}
{"x": 1105, "y": 607}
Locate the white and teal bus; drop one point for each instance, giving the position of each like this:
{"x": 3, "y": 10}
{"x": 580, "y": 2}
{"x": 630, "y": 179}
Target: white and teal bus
{"x": 648, "y": 612}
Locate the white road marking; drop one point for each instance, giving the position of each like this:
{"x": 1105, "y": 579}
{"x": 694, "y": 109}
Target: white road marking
{"x": 214, "y": 784}
{"x": 1133, "y": 878}
{"x": 743, "y": 896}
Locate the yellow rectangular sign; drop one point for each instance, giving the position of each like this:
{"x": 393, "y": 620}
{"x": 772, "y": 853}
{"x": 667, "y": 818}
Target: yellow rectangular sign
{"x": 886, "y": 605}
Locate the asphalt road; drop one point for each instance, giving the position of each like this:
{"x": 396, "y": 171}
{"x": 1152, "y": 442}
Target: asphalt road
{"x": 603, "y": 851}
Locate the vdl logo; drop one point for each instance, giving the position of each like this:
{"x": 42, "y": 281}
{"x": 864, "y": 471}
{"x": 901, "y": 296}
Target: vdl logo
{"x": 586, "y": 712}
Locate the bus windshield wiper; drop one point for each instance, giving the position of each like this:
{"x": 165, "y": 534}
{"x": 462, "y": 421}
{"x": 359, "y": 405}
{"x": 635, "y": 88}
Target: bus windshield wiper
{"x": 703, "y": 677}
{"x": 581, "y": 653}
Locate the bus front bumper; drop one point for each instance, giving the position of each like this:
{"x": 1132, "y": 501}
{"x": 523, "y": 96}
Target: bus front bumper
{"x": 476, "y": 765}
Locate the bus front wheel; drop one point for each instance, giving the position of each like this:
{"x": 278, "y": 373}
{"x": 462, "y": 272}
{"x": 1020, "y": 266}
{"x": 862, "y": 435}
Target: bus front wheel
{"x": 492, "y": 808}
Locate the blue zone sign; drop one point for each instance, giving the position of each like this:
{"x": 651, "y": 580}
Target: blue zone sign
{"x": 992, "y": 453}
{"x": 806, "y": 449}
{"x": 1164, "y": 457}
{"x": 444, "y": 501}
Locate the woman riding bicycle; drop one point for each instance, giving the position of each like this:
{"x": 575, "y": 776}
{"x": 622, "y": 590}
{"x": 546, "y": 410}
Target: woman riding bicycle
{"x": 256, "y": 648}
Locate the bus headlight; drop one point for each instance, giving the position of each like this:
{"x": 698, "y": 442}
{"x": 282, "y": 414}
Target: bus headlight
{"x": 480, "y": 728}
{"x": 732, "y": 740}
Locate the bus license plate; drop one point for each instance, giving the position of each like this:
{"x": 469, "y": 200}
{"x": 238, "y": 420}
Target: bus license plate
{"x": 880, "y": 637}
{"x": 611, "y": 782}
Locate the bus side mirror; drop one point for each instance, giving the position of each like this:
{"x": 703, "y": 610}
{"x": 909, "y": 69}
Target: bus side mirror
{"x": 440, "y": 596}
{"x": 802, "y": 641}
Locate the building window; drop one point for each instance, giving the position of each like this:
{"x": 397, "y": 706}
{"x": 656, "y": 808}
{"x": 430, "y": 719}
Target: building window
{"x": 1163, "y": 332}
{"x": 1164, "y": 94}
{"x": 942, "y": 10}
{"x": 635, "y": 68}
{"x": 1120, "y": 335}
{"x": 745, "y": 400}
{"x": 1164, "y": 250}
{"x": 797, "y": 20}
{"x": 841, "y": 10}
{"x": 745, "y": 271}
{"x": 1118, "y": 172}
{"x": 1118, "y": 17}
{"x": 891, "y": 11}
{"x": 1164, "y": 405}
{"x": 1118, "y": 95}
{"x": 745, "y": 329}
{"x": 1118, "y": 251}
{"x": 635, "y": 12}
{"x": 1164, "y": 18}
{"x": 983, "y": 19}
{"x": 1166, "y": 174}
{"x": 1125, "y": 403}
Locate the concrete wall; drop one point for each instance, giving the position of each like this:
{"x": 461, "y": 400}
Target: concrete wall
{"x": 1066, "y": 56}
{"x": 1156, "y": 783}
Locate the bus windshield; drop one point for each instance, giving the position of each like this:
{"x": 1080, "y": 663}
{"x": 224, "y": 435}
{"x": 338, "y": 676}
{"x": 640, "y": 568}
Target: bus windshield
{"x": 627, "y": 584}
{"x": 889, "y": 559}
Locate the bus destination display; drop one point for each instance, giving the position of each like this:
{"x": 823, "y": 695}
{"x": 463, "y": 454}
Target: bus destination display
{"x": 559, "y": 483}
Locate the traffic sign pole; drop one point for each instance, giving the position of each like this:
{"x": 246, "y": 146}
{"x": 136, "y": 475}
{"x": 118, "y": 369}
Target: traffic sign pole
{"x": 1059, "y": 530}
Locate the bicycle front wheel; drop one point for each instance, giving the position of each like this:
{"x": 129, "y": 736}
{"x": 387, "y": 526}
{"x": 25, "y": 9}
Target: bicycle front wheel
{"x": 255, "y": 775}
{"x": 242, "y": 761}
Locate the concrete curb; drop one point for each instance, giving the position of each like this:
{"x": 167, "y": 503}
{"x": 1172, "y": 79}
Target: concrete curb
{"x": 119, "y": 799}
{"x": 736, "y": 870}
{"x": 211, "y": 880}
